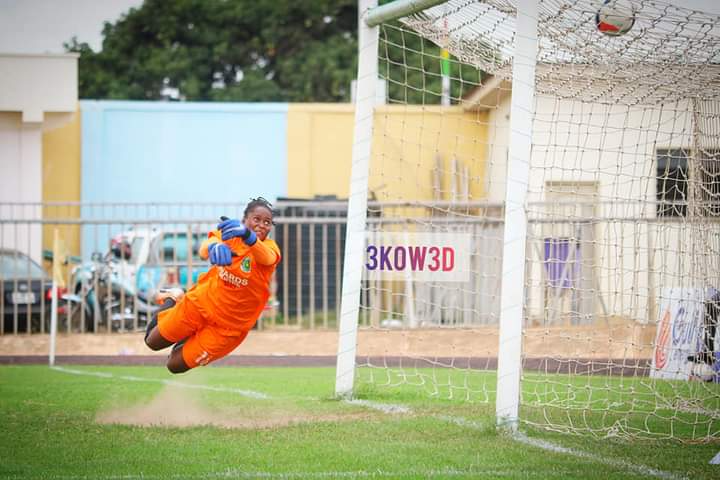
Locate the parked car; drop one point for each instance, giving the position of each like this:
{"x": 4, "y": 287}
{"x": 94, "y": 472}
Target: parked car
{"x": 26, "y": 292}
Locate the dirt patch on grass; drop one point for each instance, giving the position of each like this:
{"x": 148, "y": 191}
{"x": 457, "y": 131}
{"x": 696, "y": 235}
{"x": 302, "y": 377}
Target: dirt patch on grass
{"x": 177, "y": 407}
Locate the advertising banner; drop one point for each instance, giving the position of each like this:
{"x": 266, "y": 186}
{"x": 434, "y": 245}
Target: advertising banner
{"x": 680, "y": 333}
{"x": 418, "y": 256}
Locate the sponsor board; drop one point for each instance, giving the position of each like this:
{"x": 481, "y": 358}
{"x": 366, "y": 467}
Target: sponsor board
{"x": 680, "y": 332}
{"x": 418, "y": 256}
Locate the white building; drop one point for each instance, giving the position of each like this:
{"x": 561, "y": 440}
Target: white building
{"x": 38, "y": 92}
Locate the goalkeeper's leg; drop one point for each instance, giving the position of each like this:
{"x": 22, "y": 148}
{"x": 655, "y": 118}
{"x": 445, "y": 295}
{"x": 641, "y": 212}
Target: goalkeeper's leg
{"x": 204, "y": 346}
{"x": 168, "y": 299}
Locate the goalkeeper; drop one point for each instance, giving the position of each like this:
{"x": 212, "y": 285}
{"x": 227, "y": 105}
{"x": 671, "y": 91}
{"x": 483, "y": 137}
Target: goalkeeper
{"x": 216, "y": 314}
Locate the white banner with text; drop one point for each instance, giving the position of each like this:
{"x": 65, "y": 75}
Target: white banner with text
{"x": 418, "y": 256}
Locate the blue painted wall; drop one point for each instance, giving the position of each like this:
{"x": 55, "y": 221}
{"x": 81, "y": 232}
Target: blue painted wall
{"x": 205, "y": 152}
{"x": 179, "y": 152}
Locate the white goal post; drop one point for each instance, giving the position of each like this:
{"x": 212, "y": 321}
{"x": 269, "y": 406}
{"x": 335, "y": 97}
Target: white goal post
{"x": 569, "y": 176}
{"x": 357, "y": 202}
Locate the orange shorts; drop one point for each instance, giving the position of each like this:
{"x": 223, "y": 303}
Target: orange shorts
{"x": 205, "y": 343}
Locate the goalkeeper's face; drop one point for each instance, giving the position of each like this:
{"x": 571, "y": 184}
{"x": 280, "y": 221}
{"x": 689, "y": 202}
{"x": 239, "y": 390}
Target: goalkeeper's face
{"x": 260, "y": 221}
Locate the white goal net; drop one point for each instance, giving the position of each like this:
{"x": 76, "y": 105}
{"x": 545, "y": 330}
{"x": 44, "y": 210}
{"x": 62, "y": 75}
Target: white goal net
{"x": 619, "y": 214}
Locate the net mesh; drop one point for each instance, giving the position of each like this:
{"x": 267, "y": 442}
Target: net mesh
{"x": 623, "y": 204}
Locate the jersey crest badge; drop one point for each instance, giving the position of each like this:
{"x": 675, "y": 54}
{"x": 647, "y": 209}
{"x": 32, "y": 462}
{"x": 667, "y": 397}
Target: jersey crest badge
{"x": 245, "y": 265}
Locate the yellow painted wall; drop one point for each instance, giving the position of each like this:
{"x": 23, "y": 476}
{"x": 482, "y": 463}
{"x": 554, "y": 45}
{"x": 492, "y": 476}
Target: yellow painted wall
{"x": 61, "y": 182}
{"x": 414, "y": 148}
{"x": 319, "y": 149}
{"x": 412, "y": 145}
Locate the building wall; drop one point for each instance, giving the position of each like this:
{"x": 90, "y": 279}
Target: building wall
{"x": 20, "y": 181}
{"x": 37, "y": 92}
{"x": 61, "y": 182}
{"x": 61, "y": 162}
{"x": 410, "y": 144}
{"x": 606, "y": 155}
{"x": 227, "y": 152}
{"x": 420, "y": 152}
{"x": 182, "y": 152}
{"x": 186, "y": 154}
{"x": 319, "y": 149}
{"x": 37, "y": 83}
{"x": 178, "y": 156}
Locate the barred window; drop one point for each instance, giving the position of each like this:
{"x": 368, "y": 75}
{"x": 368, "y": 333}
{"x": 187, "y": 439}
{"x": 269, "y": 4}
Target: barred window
{"x": 674, "y": 179}
{"x": 672, "y": 182}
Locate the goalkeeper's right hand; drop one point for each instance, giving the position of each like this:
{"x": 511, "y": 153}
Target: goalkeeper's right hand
{"x": 234, "y": 228}
{"x": 219, "y": 254}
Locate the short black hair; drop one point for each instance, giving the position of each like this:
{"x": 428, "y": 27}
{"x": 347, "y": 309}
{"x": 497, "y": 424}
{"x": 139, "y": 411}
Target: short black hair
{"x": 258, "y": 202}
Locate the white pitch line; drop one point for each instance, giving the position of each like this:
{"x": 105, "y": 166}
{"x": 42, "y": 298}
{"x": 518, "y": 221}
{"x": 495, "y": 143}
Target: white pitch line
{"x": 520, "y": 437}
{"x": 439, "y": 473}
{"x": 174, "y": 383}
{"x": 463, "y": 422}
{"x": 641, "y": 469}
{"x": 545, "y": 445}
{"x": 388, "y": 408}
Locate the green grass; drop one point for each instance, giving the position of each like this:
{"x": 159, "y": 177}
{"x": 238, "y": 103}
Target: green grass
{"x": 51, "y": 425}
{"x": 596, "y": 405}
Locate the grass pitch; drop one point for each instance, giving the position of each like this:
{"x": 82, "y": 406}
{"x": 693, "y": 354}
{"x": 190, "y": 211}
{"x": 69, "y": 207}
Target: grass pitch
{"x": 225, "y": 422}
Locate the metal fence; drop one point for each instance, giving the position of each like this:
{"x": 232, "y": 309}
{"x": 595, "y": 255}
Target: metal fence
{"x": 580, "y": 269}
{"x": 116, "y": 256}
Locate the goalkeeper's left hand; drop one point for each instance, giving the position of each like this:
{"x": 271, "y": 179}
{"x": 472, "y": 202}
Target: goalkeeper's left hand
{"x": 232, "y": 228}
{"x": 219, "y": 254}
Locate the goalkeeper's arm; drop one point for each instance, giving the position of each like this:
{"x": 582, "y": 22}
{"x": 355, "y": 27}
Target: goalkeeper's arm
{"x": 205, "y": 245}
{"x": 264, "y": 254}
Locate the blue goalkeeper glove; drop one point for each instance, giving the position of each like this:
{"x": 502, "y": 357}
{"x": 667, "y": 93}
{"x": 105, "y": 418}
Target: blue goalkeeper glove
{"x": 219, "y": 254}
{"x": 232, "y": 228}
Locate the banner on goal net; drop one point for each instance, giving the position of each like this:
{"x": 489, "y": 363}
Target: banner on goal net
{"x": 680, "y": 333}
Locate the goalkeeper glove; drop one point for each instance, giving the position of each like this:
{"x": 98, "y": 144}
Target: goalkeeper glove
{"x": 232, "y": 228}
{"x": 219, "y": 254}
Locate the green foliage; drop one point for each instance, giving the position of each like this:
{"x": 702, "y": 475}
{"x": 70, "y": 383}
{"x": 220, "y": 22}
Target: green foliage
{"x": 243, "y": 50}
{"x": 412, "y": 66}
{"x": 239, "y": 50}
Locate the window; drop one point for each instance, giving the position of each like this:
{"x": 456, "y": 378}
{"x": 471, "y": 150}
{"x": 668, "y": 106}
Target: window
{"x": 672, "y": 183}
{"x": 16, "y": 265}
{"x": 710, "y": 182}
{"x": 674, "y": 179}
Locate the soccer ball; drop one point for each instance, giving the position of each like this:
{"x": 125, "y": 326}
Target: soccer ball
{"x": 615, "y": 17}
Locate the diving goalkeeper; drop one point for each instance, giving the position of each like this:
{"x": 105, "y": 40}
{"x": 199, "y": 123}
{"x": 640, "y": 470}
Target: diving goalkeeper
{"x": 216, "y": 314}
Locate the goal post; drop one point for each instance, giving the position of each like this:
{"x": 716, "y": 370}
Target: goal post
{"x": 357, "y": 201}
{"x": 369, "y": 17}
{"x": 534, "y": 215}
{"x": 522, "y": 107}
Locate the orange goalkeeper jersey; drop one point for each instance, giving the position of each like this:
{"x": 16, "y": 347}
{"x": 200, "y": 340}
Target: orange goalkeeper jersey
{"x": 232, "y": 297}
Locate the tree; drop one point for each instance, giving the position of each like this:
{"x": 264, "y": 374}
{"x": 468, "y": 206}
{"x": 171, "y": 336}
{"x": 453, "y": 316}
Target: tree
{"x": 411, "y": 65}
{"x": 249, "y": 50}
{"x": 225, "y": 50}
